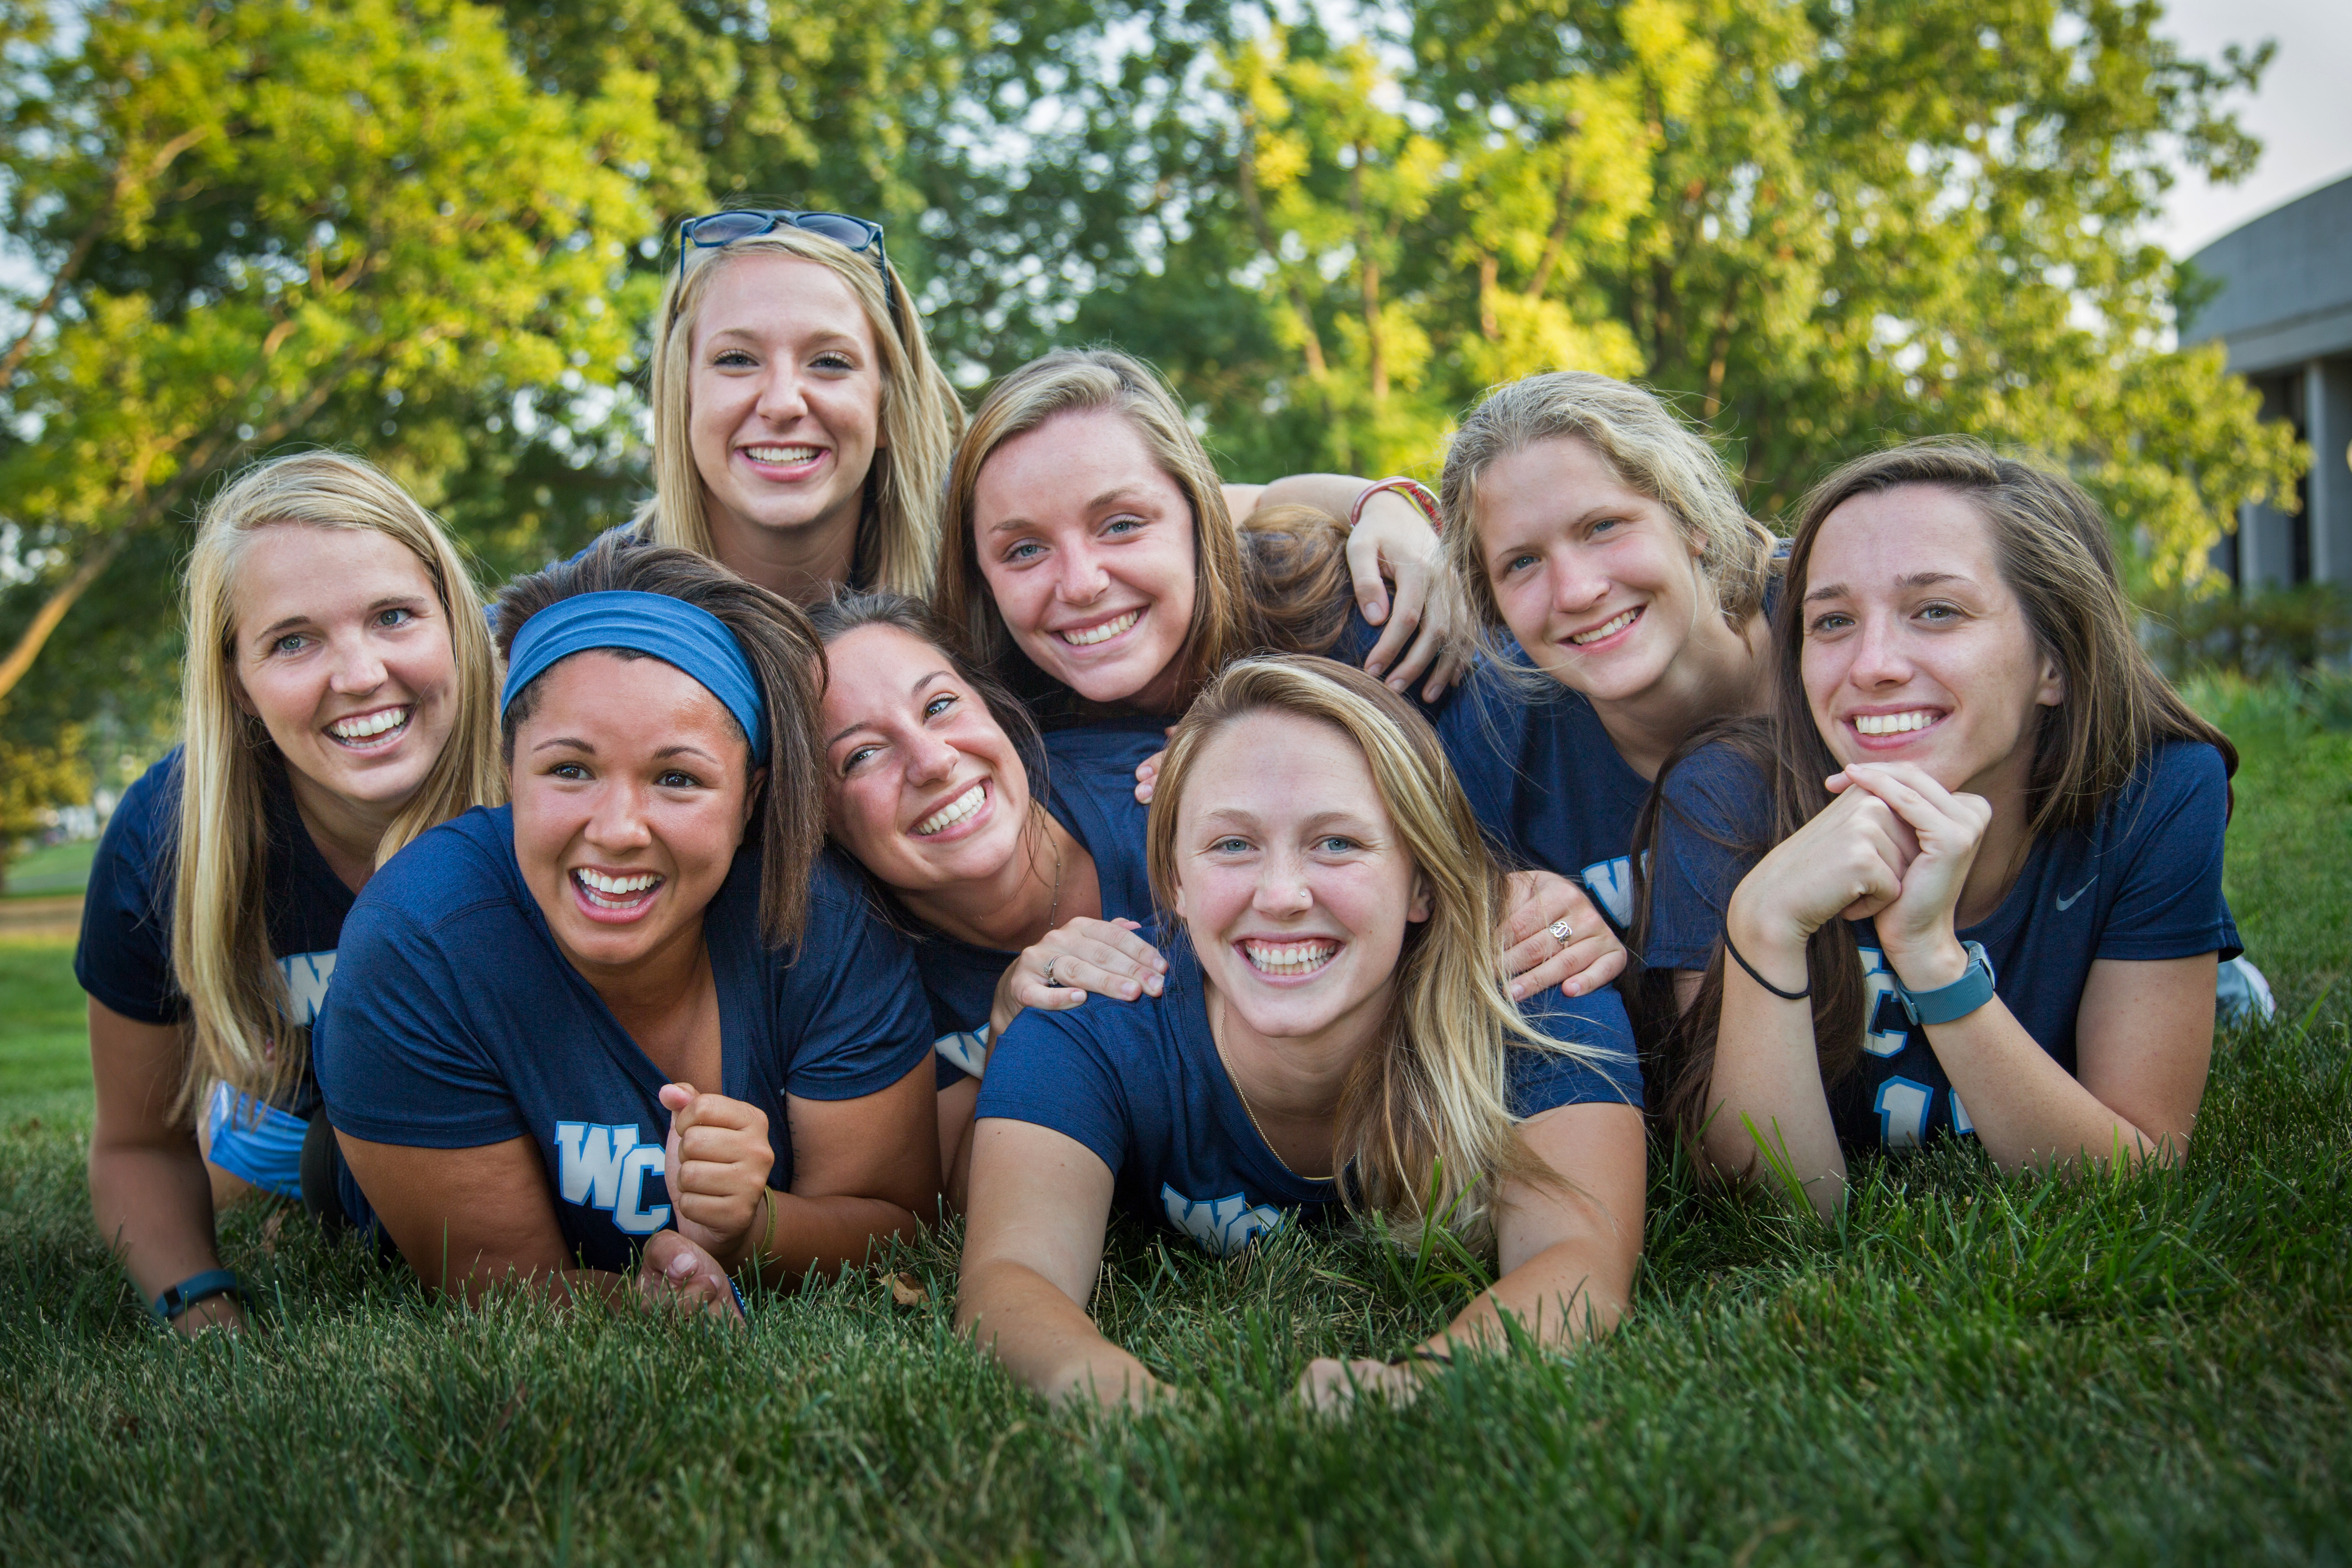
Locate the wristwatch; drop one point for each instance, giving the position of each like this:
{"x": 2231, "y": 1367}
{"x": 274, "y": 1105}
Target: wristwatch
{"x": 178, "y": 1299}
{"x": 1963, "y": 997}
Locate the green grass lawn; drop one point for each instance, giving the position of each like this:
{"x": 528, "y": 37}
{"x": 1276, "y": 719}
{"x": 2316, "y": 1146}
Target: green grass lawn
{"x": 2136, "y": 1370}
{"x": 59, "y": 868}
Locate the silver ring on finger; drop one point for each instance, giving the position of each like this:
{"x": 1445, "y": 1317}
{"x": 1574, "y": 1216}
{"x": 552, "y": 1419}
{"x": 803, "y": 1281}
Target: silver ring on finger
{"x": 1561, "y": 932}
{"x": 1049, "y": 972}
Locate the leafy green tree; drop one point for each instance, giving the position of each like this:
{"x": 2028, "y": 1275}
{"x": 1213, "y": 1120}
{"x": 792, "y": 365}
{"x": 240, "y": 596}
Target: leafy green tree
{"x": 359, "y": 224}
{"x": 33, "y": 778}
{"x": 1822, "y": 227}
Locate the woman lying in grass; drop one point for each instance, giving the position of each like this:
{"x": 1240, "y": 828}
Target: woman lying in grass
{"x": 1334, "y": 1031}
{"x": 1018, "y": 859}
{"x": 634, "y": 1019}
{"x": 341, "y": 694}
{"x": 1965, "y": 878}
{"x": 1603, "y": 548}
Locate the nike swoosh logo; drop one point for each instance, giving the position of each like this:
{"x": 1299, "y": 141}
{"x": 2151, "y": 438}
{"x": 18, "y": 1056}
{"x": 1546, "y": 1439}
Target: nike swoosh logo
{"x": 2066, "y": 904}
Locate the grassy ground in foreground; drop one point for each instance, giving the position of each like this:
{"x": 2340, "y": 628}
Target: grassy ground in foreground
{"x": 2147, "y": 1368}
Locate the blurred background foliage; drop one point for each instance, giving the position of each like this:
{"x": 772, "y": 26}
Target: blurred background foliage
{"x": 432, "y": 231}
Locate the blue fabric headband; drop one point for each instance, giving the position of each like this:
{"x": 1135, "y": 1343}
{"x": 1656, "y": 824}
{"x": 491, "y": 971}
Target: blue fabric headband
{"x": 686, "y": 636}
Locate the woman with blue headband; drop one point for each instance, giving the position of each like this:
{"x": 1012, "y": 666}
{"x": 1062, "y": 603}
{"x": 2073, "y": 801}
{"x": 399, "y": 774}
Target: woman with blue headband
{"x": 634, "y": 1021}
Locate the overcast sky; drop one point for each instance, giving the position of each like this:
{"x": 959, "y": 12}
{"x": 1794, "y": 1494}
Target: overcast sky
{"x": 2302, "y": 114}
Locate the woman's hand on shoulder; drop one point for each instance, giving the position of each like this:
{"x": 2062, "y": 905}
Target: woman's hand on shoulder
{"x": 1552, "y": 935}
{"x": 716, "y": 1159}
{"x": 1847, "y": 863}
{"x": 1421, "y": 624}
{"x": 1080, "y": 958}
{"x": 673, "y": 1273}
{"x": 1918, "y": 926}
{"x": 1146, "y": 772}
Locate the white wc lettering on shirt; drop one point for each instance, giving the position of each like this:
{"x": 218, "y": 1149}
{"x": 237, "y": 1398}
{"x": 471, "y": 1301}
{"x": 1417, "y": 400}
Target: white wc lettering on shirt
{"x": 1223, "y": 1226}
{"x": 307, "y": 974}
{"x": 604, "y": 1166}
{"x": 1611, "y": 883}
{"x": 1878, "y": 985}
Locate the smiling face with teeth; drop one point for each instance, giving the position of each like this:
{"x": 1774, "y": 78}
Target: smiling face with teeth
{"x": 1598, "y": 582}
{"x": 341, "y": 651}
{"x": 1086, "y": 545}
{"x": 631, "y": 798}
{"x": 923, "y": 784}
{"x": 1292, "y": 882}
{"x": 784, "y": 410}
{"x": 1916, "y": 647}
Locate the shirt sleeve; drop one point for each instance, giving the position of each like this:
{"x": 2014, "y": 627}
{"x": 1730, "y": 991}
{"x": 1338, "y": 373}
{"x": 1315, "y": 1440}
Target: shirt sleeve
{"x": 1710, "y": 826}
{"x": 1543, "y": 1080}
{"x": 124, "y": 958}
{"x": 398, "y": 1062}
{"x": 2169, "y": 904}
{"x": 861, "y": 1022}
{"x": 1048, "y": 1071}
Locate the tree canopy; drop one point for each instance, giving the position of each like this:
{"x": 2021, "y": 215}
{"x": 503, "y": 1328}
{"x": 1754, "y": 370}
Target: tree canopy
{"x": 431, "y": 231}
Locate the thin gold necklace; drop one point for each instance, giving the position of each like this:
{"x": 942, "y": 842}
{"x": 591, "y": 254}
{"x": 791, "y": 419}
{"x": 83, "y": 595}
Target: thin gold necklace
{"x": 1234, "y": 1078}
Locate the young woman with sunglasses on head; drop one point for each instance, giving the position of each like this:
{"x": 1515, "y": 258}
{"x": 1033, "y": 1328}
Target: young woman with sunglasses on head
{"x": 1622, "y": 591}
{"x": 635, "y": 1021}
{"x": 1968, "y": 868}
{"x": 340, "y": 699}
{"x": 1333, "y": 1035}
{"x": 801, "y": 429}
{"x": 1015, "y": 861}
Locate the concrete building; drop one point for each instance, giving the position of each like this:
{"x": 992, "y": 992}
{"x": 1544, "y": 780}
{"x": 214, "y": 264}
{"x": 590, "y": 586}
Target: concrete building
{"x": 2284, "y": 311}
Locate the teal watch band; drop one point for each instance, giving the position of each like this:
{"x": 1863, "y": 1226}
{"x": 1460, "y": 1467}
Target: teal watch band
{"x": 1963, "y": 997}
{"x": 178, "y": 1299}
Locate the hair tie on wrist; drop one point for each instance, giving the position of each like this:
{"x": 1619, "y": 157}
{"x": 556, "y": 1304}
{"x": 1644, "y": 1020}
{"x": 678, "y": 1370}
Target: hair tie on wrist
{"x": 1413, "y": 491}
{"x": 1783, "y": 995}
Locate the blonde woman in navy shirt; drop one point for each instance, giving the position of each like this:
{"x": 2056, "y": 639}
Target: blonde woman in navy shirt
{"x": 1333, "y": 1034}
{"x": 634, "y": 1032}
{"x": 1622, "y": 591}
{"x": 1964, "y": 878}
{"x": 340, "y": 697}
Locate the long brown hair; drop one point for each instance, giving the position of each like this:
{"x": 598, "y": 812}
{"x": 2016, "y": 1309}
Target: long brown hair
{"x": 1247, "y": 597}
{"x": 789, "y": 826}
{"x": 1431, "y": 1097}
{"x": 2057, "y": 554}
{"x": 849, "y": 610}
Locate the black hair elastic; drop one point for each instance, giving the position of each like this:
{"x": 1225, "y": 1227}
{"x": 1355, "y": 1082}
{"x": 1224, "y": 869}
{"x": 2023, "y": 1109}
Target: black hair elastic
{"x": 1783, "y": 995}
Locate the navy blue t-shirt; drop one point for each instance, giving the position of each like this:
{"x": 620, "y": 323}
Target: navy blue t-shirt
{"x": 2143, "y": 883}
{"x": 1090, "y": 776}
{"x": 458, "y": 1022}
{"x": 1547, "y": 783}
{"x": 124, "y": 958}
{"x": 1141, "y": 1085}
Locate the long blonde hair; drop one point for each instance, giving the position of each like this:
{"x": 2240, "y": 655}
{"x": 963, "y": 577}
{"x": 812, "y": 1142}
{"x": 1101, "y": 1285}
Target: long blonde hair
{"x": 1225, "y": 623}
{"x": 1650, "y": 449}
{"x": 244, "y": 1030}
{"x": 899, "y": 530}
{"x": 1431, "y": 1097}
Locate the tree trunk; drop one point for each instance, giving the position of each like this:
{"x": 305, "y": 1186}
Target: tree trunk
{"x": 53, "y": 609}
